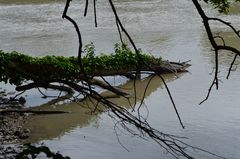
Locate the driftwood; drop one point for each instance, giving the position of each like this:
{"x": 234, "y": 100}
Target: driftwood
{"x": 33, "y": 71}
{"x": 165, "y": 67}
{"x": 44, "y": 75}
{"x": 107, "y": 86}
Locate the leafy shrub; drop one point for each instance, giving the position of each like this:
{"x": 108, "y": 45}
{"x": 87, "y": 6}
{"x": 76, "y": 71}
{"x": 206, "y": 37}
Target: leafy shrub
{"x": 59, "y": 67}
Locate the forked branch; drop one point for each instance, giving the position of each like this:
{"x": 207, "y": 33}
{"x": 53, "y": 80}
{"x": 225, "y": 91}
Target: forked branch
{"x": 217, "y": 47}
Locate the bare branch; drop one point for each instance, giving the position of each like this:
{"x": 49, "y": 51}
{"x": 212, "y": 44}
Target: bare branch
{"x": 226, "y": 23}
{"x": 86, "y": 8}
{"x": 214, "y": 44}
{"x": 95, "y": 12}
{"x": 220, "y": 37}
{"x": 230, "y": 68}
{"x": 171, "y": 98}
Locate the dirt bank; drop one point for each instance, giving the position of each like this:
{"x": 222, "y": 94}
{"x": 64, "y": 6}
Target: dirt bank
{"x": 12, "y": 130}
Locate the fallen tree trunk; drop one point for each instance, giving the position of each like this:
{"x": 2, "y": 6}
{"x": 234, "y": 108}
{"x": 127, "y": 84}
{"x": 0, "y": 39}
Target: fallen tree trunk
{"x": 45, "y": 72}
{"x": 165, "y": 67}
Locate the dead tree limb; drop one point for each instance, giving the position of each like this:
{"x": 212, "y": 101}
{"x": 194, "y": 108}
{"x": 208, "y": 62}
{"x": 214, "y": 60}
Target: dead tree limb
{"x": 216, "y": 47}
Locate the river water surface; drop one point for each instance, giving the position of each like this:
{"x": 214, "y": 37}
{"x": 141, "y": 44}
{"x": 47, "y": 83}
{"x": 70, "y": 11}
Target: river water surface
{"x": 171, "y": 29}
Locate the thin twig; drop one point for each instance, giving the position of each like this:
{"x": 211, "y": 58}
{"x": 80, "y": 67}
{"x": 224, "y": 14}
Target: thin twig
{"x": 95, "y": 13}
{"x": 86, "y": 8}
{"x": 230, "y": 68}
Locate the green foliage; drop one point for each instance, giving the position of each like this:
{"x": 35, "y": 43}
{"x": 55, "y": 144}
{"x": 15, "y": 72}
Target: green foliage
{"x": 123, "y": 58}
{"x": 59, "y": 67}
{"x": 89, "y": 49}
{"x": 221, "y": 5}
{"x": 41, "y": 66}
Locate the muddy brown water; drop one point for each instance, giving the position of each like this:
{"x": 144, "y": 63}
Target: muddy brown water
{"x": 171, "y": 29}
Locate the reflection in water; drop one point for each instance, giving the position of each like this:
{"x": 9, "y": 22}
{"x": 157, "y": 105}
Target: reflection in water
{"x": 51, "y": 126}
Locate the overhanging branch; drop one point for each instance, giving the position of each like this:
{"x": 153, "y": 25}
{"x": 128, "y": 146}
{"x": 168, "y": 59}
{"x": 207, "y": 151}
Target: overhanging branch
{"x": 214, "y": 44}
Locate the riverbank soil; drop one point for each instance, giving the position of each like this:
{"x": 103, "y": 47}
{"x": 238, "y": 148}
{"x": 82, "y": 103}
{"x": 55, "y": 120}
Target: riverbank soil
{"x": 12, "y": 130}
